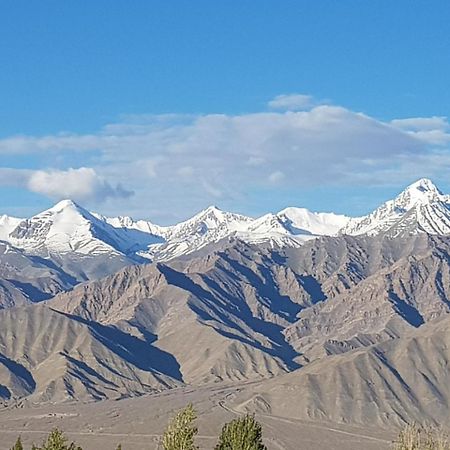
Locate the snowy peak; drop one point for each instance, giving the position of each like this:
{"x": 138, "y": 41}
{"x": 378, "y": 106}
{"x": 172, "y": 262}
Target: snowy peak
{"x": 292, "y": 227}
{"x": 66, "y": 228}
{"x": 214, "y": 217}
{"x": 65, "y": 205}
{"x": 421, "y": 207}
{"x": 126, "y": 223}
{"x": 211, "y": 220}
{"x": 424, "y": 185}
{"x": 422, "y": 191}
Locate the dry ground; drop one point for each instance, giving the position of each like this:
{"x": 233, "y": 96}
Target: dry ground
{"x": 137, "y": 424}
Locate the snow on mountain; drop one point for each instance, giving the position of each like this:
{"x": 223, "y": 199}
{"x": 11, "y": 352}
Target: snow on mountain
{"x": 271, "y": 229}
{"x": 68, "y": 228}
{"x": 421, "y": 207}
{"x": 292, "y": 227}
{"x": 212, "y": 222}
{"x": 128, "y": 223}
{"x": 210, "y": 225}
{"x": 303, "y": 221}
{"x": 7, "y": 225}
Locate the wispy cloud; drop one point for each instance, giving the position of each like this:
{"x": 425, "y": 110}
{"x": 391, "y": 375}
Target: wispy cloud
{"x": 422, "y": 123}
{"x": 432, "y": 130}
{"x": 291, "y": 102}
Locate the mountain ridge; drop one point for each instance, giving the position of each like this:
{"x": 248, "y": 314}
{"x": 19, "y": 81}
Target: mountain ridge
{"x": 69, "y": 228}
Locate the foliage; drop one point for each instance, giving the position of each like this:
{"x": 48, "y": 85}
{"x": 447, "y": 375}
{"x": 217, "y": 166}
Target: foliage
{"x": 244, "y": 433}
{"x": 18, "y": 445}
{"x": 415, "y": 437}
{"x": 180, "y": 432}
{"x": 57, "y": 441}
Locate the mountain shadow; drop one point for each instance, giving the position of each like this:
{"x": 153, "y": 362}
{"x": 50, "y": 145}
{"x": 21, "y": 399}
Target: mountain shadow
{"x": 140, "y": 353}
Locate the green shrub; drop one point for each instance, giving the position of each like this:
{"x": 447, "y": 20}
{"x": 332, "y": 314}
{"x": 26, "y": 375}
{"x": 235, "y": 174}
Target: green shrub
{"x": 57, "y": 441}
{"x": 244, "y": 433}
{"x": 180, "y": 432}
{"x": 18, "y": 445}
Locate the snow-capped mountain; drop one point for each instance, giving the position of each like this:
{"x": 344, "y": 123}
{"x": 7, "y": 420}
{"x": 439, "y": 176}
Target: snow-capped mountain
{"x": 210, "y": 225}
{"x": 67, "y": 228}
{"x": 421, "y": 207}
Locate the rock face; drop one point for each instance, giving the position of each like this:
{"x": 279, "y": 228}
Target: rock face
{"x": 391, "y": 383}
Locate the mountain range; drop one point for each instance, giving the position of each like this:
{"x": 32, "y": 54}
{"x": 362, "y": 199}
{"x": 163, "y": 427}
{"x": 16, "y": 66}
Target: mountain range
{"x": 345, "y": 313}
{"x": 66, "y": 244}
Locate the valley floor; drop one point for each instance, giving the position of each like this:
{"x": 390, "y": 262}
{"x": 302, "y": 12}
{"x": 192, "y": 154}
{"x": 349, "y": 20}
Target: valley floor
{"x": 138, "y": 423}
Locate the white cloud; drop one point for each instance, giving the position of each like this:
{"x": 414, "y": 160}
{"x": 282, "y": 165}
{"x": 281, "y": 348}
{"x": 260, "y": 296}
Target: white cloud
{"x": 81, "y": 184}
{"x": 182, "y": 163}
{"x": 291, "y": 102}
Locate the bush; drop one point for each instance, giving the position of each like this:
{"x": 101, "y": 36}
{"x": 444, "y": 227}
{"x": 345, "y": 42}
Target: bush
{"x": 244, "y": 433}
{"x": 57, "y": 441}
{"x": 18, "y": 445}
{"x": 181, "y": 431}
{"x": 415, "y": 437}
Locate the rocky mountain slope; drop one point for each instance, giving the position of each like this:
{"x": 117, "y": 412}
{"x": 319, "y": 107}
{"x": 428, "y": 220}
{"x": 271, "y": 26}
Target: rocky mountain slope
{"x": 25, "y": 278}
{"x": 375, "y": 288}
{"x": 221, "y": 315}
{"x": 46, "y": 356}
{"x": 277, "y": 310}
{"x": 392, "y": 383}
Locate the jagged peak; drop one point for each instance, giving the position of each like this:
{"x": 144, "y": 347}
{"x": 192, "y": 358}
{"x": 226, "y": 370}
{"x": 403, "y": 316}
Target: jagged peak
{"x": 212, "y": 210}
{"x": 422, "y": 191}
{"x": 421, "y": 199}
{"x": 215, "y": 213}
{"x": 424, "y": 185}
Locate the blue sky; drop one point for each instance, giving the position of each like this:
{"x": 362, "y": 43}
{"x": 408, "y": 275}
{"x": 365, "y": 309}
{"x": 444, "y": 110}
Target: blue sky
{"x": 157, "y": 108}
